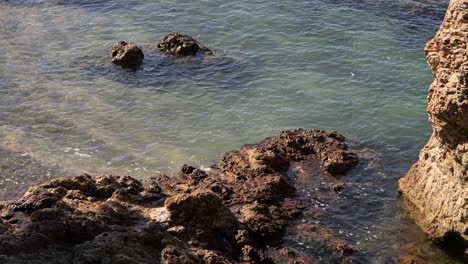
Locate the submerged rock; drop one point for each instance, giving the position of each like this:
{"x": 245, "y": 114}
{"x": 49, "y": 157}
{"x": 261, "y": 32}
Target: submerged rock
{"x": 435, "y": 190}
{"x": 127, "y": 54}
{"x": 236, "y": 213}
{"x": 181, "y": 44}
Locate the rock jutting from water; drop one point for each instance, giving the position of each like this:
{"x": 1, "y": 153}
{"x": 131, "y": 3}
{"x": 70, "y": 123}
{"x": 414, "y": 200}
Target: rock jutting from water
{"x": 435, "y": 190}
{"x": 237, "y": 212}
{"x": 127, "y": 54}
{"x": 181, "y": 44}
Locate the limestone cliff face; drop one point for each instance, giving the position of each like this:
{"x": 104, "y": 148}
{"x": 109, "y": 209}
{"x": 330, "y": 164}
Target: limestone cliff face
{"x": 435, "y": 190}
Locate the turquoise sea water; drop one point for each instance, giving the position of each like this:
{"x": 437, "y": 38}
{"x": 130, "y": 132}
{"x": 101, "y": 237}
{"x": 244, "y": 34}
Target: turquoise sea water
{"x": 354, "y": 66}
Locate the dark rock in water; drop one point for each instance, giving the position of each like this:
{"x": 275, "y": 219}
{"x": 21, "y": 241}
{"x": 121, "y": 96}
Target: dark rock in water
{"x": 127, "y": 54}
{"x": 193, "y": 174}
{"x": 236, "y": 212}
{"x": 181, "y": 44}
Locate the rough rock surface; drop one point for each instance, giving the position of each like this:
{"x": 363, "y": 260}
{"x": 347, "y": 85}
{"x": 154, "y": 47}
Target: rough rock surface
{"x": 238, "y": 212}
{"x": 181, "y": 44}
{"x": 435, "y": 190}
{"x": 127, "y": 54}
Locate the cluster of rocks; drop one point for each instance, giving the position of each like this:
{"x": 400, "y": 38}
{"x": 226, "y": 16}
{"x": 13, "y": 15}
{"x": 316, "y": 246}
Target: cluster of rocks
{"x": 130, "y": 55}
{"x": 435, "y": 190}
{"x": 237, "y": 212}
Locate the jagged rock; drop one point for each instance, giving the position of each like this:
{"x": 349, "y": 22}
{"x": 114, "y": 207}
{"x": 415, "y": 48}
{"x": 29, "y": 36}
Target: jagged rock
{"x": 329, "y": 146}
{"x": 346, "y": 249}
{"x": 212, "y": 257}
{"x": 290, "y": 256}
{"x": 181, "y": 44}
{"x": 173, "y": 255}
{"x": 118, "y": 247}
{"x": 127, "y": 54}
{"x": 435, "y": 190}
{"x": 238, "y": 211}
{"x": 201, "y": 208}
{"x": 193, "y": 174}
{"x": 264, "y": 224}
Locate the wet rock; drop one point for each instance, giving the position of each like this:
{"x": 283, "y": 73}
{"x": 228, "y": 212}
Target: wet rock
{"x": 237, "y": 211}
{"x": 409, "y": 260}
{"x": 181, "y": 44}
{"x": 193, "y": 174}
{"x": 127, "y": 54}
{"x": 290, "y": 256}
{"x": 340, "y": 250}
{"x": 346, "y": 249}
{"x": 186, "y": 169}
{"x": 435, "y": 190}
{"x": 250, "y": 255}
{"x": 243, "y": 238}
{"x": 172, "y": 255}
{"x": 338, "y": 187}
{"x": 212, "y": 257}
{"x": 329, "y": 146}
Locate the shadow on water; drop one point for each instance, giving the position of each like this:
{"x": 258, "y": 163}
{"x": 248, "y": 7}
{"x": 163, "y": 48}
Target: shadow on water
{"x": 368, "y": 212}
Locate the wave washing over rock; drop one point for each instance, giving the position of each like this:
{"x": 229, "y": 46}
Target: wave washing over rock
{"x": 235, "y": 212}
{"x": 435, "y": 190}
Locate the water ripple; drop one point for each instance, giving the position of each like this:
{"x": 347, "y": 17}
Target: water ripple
{"x": 356, "y": 66}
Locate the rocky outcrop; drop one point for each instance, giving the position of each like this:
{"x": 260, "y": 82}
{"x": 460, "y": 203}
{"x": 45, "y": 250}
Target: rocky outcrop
{"x": 181, "y": 44}
{"x": 127, "y": 54}
{"x": 237, "y": 212}
{"x": 435, "y": 190}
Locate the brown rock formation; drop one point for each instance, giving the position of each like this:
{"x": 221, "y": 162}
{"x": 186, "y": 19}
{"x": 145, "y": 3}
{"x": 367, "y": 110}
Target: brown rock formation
{"x": 127, "y": 54}
{"x": 181, "y": 44}
{"x": 435, "y": 190}
{"x": 236, "y": 213}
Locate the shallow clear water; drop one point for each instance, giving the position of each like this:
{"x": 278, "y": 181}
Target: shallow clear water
{"x": 355, "y": 66}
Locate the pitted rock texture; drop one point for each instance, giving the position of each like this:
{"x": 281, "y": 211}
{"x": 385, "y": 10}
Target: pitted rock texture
{"x": 435, "y": 190}
{"x": 181, "y": 44}
{"x": 127, "y": 54}
{"x": 236, "y": 213}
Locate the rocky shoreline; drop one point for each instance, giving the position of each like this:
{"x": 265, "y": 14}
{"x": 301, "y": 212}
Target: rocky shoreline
{"x": 240, "y": 210}
{"x": 237, "y": 212}
{"x": 435, "y": 190}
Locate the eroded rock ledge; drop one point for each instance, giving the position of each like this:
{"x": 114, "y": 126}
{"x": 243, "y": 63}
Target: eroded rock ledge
{"x": 237, "y": 212}
{"x": 435, "y": 190}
